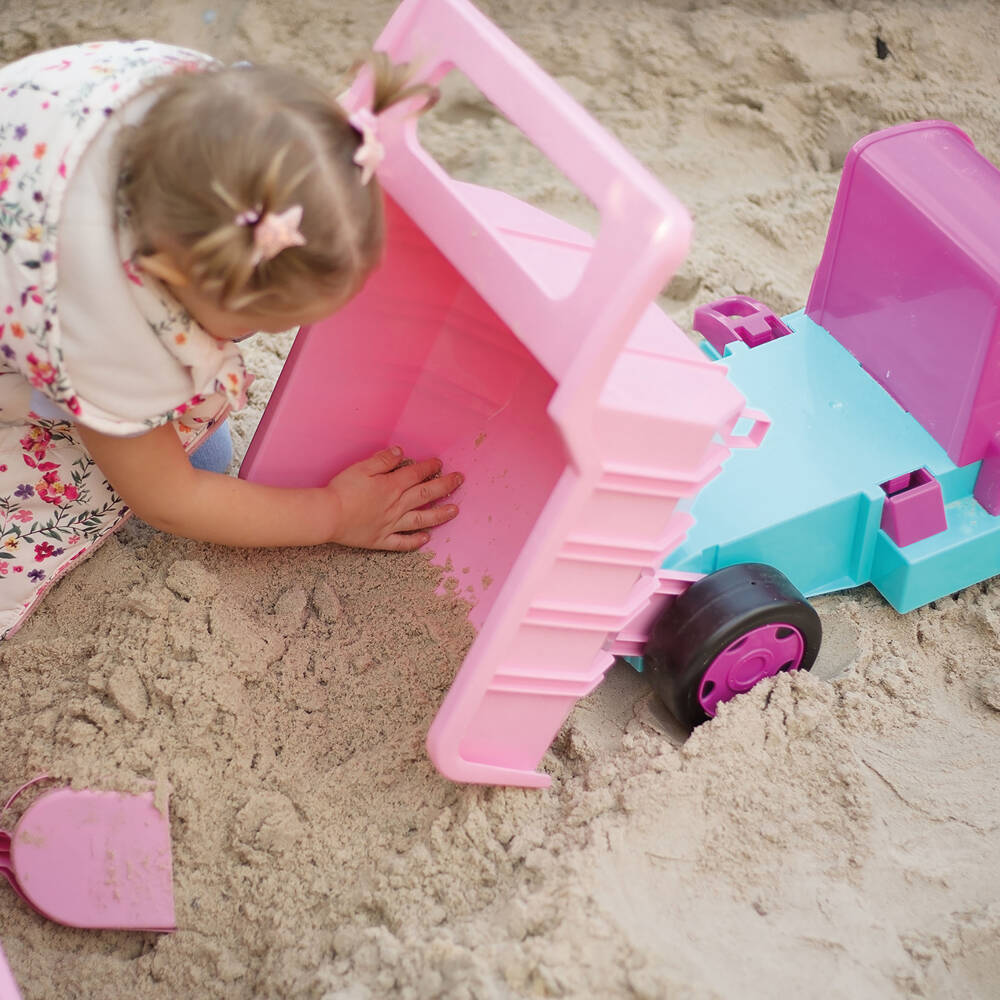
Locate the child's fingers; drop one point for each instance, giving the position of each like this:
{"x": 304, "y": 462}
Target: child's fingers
{"x": 405, "y": 543}
{"x": 389, "y": 460}
{"x": 382, "y": 461}
{"x": 416, "y": 472}
{"x": 429, "y": 490}
{"x": 426, "y": 517}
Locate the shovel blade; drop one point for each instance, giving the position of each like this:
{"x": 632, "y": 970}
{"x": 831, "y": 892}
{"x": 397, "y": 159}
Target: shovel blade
{"x": 96, "y": 859}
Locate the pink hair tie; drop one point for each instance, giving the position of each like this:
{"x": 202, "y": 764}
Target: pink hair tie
{"x": 371, "y": 152}
{"x": 248, "y": 218}
{"x": 273, "y": 231}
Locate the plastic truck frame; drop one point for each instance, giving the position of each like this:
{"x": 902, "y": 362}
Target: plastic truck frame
{"x": 592, "y": 431}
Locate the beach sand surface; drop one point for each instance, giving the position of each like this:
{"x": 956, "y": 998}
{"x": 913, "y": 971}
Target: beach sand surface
{"x": 832, "y": 835}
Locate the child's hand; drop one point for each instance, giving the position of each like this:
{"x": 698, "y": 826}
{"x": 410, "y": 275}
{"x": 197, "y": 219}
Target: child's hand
{"x": 380, "y": 504}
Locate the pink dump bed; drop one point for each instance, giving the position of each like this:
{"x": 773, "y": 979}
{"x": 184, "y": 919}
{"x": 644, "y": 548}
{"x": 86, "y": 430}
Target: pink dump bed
{"x": 529, "y": 356}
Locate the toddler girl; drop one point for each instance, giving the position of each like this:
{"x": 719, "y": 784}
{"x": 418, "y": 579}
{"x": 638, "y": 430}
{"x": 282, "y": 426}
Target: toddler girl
{"x": 155, "y": 209}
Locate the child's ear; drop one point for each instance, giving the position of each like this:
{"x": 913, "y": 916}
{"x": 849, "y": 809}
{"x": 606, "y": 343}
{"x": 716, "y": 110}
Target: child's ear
{"x": 161, "y": 265}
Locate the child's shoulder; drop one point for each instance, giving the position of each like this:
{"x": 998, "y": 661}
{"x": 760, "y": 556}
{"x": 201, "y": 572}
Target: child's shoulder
{"x": 95, "y": 62}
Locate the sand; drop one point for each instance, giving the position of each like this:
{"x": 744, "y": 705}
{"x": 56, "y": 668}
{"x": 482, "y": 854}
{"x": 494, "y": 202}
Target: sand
{"x": 830, "y": 835}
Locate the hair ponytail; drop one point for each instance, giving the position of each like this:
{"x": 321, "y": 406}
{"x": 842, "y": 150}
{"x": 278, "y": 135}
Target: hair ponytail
{"x": 393, "y": 82}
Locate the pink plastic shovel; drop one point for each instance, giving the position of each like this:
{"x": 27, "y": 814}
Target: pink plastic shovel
{"x": 92, "y": 859}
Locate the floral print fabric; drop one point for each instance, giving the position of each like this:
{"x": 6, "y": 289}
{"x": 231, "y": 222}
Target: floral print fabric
{"x": 55, "y": 506}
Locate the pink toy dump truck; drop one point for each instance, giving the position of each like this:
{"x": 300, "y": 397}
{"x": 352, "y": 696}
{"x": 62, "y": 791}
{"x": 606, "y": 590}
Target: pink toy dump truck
{"x": 591, "y": 430}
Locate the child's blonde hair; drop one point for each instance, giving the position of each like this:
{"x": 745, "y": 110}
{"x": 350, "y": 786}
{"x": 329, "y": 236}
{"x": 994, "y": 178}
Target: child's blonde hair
{"x": 257, "y": 139}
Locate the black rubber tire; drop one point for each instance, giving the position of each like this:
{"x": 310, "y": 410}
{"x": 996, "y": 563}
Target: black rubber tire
{"x": 710, "y": 615}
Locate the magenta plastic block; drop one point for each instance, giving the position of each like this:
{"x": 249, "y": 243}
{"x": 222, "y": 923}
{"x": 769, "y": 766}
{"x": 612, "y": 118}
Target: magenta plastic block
{"x": 909, "y": 281}
{"x": 913, "y": 508}
{"x": 738, "y": 318}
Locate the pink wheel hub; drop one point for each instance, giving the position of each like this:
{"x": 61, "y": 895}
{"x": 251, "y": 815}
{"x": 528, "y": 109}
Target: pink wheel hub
{"x": 762, "y": 652}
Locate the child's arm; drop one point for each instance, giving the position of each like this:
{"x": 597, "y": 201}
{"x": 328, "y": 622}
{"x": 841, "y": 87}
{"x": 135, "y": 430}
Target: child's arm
{"x": 368, "y": 505}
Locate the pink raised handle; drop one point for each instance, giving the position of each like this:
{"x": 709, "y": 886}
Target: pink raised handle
{"x": 644, "y": 231}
